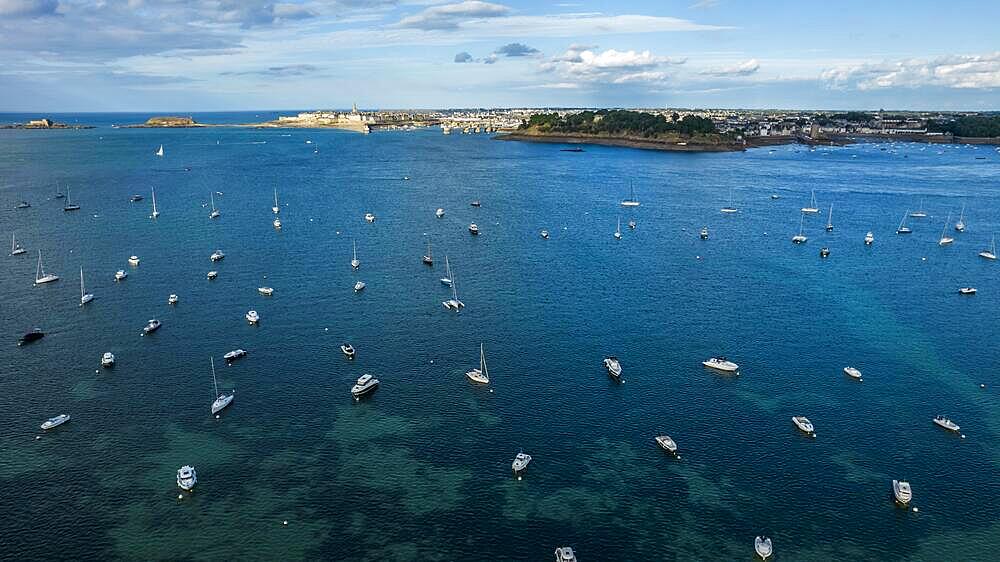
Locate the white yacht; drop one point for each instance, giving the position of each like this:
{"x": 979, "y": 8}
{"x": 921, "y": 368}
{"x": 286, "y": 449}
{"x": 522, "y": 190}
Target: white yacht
{"x": 565, "y": 554}
{"x": 369, "y": 217}
{"x": 120, "y": 275}
{"x": 763, "y": 547}
{"x": 186, "y": 478}
{"x": 234, "y": 355}
{"x": 991, "y": 252}
{"x": 482, "y": 374}
{"x": 919, "y": 214}
{"x": 428, "y": 258}
{"x": 869, "y": 238}
{"x": 365, "y": 384}
{"x": 70, "y": 206}
{"x": 108, "y": 360}
{"x": 521, "y": 462}
{"x": 618, "y": 229}
{"x": 276, "y": 209}
{"x": 55, "y": 422}
{"x": 348, "y": 350}
{"x": 704, "y": 233}
{"x": 215, "y": 212}
{"x": 359, "y": 286}
{"x": 613, "y": 366}
{"x": 804, "y": 425}
{"x": 354, "y": 261}
{"x": 967, "y": 291}
{"x": 277, "y": 223}
{"x": 903, "y": 229}
{"x": 172, "y": 299}
{"x": 40, "y": 275}
{"x": 666, "y": 443}
{"x": 151, "y": 326}
{"x": 945, "y": 240}
{"x": 212, "y": 275}
{"x": 829, "y": 220}
{"x": 15, "y": 248}
{"x": 853, "y": 372}
{"x": 217, "y": 255}
{"x": 473, "y": 229}
{"x": 85, "y": 297}
{"x": 133, "y": 261}
{"x": 960, "y": 225}
{"x": 252, "y": 317}
{"x": 800, "y": 238}
{"x": 155, "y": 212}
{"x": 902, "y": 492}
{"x": 446, "y": 280}
{"x": 439, "y": 213}
{"x": 545, "y": 234}
{"x": 812, "y": 209}
{"x": 730, "y": 208}
{"x": 631, "y": 201}
{"x": 266, "y": 291}
{"x": 721, "y": 364}
{"x": 824, "y": 252}
{"x": 222, "y": 399}
{"x": 946, "y": 423}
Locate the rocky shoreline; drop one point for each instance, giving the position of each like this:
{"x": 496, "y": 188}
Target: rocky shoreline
{"x": 628, "y": 142}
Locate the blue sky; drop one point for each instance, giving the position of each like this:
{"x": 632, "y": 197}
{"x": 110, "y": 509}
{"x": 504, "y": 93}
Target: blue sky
{"x": 191, "y": 55}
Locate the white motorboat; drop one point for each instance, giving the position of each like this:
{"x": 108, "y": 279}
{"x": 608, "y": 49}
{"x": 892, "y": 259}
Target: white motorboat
{"x": 120, "y": 275}
{"x": 354, "y": 261}
{"x": 266, "y": 291}
{"x": 545, "y": 234}
{"x": 276, "y": 209}
{"x": 730, "y": 208}
{"x": 428, "y": 258}
{"x": 359, "y": 286}
{"x": 152, "y": 325}
{"x": 666, "y": 443}
{"x": 618, "y": 229}
{"x": 476, "y": 203}
{"x": 155, "y": 213}
{"x": 721, "y": 364}
{"x": 15, "y": 248}
{"x": 945, "y": 240}
{"x": 631, "y": 201}
{"x": 521, "y": 462}
{"x": 446, "y": 280}
{"x": 277, "y": 223}
{"x": 40, "y": 275}
{"x": 903, "y": 229}
{"x": 960, "y": 225}
{"x": 853, "y": 373}
{"x": 212, "y": 275}
{"x": 215, "y": 212}
{"x": 222, "y": 399}
{"x": 55, "y": 422}
{"x": 234, "y": 355}
{"x": 133, "y": 261}
{"x": 439, "y": 213}
{"x": 172, "y": 299}
{"x": 946, "y": 423}
{"x": 824, "y": 252}
{"x": 800, "y": 238}
{"x": 108, "y": 360}
{"x": 369, "y": 217}
{"x": 967, "y": 291}
{"x": 565, "y": 554}
{"x": 804, "y": 425}
{"x": 812, "y": 209}
{"x": 482, "y": 374}
{"x": 902, "y": 491}
{"x": 348, "y": 350}
{"x": 613, "y": 366}
{"x": 23, "y": 205}
{"x": 85, "y": 297}
{"x": 991, "y": 252}
{"x": 252, "y": 317}
{"x": 365, "y": 384}
{"x": 763, "y": 547}
{"x": 186, "y": 478}
{"x": 217, "y": 255}
{"x": 473, "y": 229}
{"x": 704, "y": 233}
{"x": 869, "y": 238}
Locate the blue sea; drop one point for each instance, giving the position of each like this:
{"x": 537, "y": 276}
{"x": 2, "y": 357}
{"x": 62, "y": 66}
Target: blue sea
{"x": 420, "y": 470}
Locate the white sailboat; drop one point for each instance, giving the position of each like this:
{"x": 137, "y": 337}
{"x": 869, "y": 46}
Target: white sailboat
{"x": 155, "y": 212}
{"x": 631, "y": 201}
{"x": 446, "y": 280}
{"x": 919, "y": 214}
{"x": 276, "y": 209}
{"x": 903, "y": 229}
{"x": 812, "y": 209}
{"x": 730, "y": 208}
{"x": 482, "y": 374}
{"x": 618, "y": 229}
{"x": 453, "y": 303}
{"x": 40, "y": 275}
{"x": 215, "y": 212}
{"x": 945, "y": 240}
{"x": 800, "y": 238}
{"x": 829, "y": 219}
{"x": 428, "y": 258}
{"x": 15, "y": 248}
{"x": 85, "y": 297}
{"x": 354, "y": 261}
{"x": 159, "y": 151}
{"x": 222, "y": 400}
{"x": 991, "y": 253}
{"x": 960, "y": 225}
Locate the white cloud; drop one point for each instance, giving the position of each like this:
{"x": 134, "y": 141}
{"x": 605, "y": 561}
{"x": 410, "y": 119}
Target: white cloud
{"x": 610, "y": 66}
{"x": 745, "y": 68}
{"x": 449, "y": 16}
{"x": 954, "y": 71}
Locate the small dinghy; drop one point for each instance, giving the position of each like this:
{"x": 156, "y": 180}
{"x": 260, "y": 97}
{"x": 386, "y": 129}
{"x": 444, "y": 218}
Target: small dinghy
{"x": 762, "y": 545}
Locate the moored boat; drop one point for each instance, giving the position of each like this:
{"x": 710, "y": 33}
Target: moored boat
{"x": 613, "y": 366}
{"x": 31, "y": 336}
{"x": 804, "y": 425}
{"x": 108, "y": 360}
{"x": 721, "y": 364}
{"x": 666, "y": 443}
{"x": 348, "y": 350}
{"x": 252, "y": 316}
{"x": 234, "y": 355}
{"x": 365, "y": 384}
{"x": 946, "y": 423}
{"x": 902, "y": 491}
{"x": 853, "y": 373}
{"x": 186, "y": 478}
{"x": 55, "y": 422}
{"x": 521, "y": 461}
{"x": 763, "y": 547}
{"x": 151, "y": 326}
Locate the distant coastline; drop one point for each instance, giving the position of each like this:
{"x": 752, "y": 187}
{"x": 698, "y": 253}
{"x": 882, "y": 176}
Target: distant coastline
{"x": 624, "y": 141}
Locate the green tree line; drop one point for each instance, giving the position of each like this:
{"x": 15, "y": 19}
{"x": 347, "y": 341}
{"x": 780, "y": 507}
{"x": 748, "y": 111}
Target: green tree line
{"x": 968, "y": 126}
{"x": 621, "y": 122}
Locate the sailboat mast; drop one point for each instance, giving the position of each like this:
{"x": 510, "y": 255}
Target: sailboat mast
{"x": 212, "y": 197}
{"x": 81, "y": 284}
{"x": 482, "y": 362}
{"x": 829, "y": 218}
{"x": 215, "y": 384}
{"x": 154, "y": 202}
{"x": 39, "y": 270}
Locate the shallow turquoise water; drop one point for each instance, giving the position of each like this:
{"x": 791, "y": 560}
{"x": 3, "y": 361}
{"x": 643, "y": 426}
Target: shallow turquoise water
{"x": 420, "y": 471}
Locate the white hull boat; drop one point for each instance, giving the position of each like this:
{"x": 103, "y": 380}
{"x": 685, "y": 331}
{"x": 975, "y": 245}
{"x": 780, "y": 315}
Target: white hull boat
{"x": 365, "y": 384}
{"x": 721, "y": 364}
{"x": 55, "y": 422}
{"x": 944, "y": 422}
{"x": 804, "y": 425}
{"x": 666, "y": 443}
{"x": 853, "y": 373}
{"x": 902, "y": 491}
{"x": 40, "y": 276}
{"x": 186, "y": 478}
{"x": 482, "y": 374}
{"x": 222, "y": 400}
{"x": 521, "y": 462}
{"x": 763, "y": 547}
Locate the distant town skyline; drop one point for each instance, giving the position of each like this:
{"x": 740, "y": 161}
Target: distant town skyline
{"x": 214, "y": 55}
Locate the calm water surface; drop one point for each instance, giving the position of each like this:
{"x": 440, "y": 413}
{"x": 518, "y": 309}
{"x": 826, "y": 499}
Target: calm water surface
{"x": 421, "y": 470}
